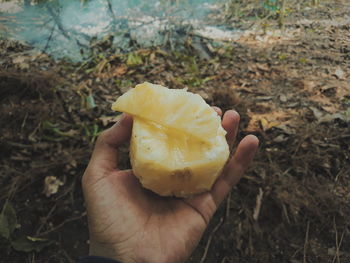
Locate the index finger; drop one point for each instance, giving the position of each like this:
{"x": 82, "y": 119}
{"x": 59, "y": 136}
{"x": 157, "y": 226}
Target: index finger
{"x": 235, "y": 168}
{"x": 230, "y": 123}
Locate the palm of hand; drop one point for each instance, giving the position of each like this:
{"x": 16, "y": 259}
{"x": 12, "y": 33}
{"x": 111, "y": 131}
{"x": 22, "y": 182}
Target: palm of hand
{"x": 131, "y": 224}
{"x": 137, "y": 222}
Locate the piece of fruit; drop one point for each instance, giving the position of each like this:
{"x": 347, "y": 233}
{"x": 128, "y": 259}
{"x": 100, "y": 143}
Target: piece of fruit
{"x": 178, "y": 145}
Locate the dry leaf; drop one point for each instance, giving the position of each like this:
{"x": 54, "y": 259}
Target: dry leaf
{"x": 19, "y": 59}
{"x": 331, "y": 108}
{"x": 203, "y": 94}
{"x": 51, "y": 185}
{"x": 309, "y": 85}
{"x": 339, "y": 73}
{"x": 120, "y": 71}
{"x": 266, "y": 125}
{"x": 331, "y": 117}
{"x": 280, "y": 138}
{"x": 263, "y": 67}
{"x": 283, "y": 98}
{"x": 258, "y": 204}
{"x": 109, "y": 119}
{"x": 317, "y": 113}
{"x": 29, "y": 244}
{"x": 8, "y": 220}
{"x": 286, "y": 129}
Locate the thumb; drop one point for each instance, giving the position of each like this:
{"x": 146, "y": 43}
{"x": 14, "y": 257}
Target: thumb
{"x": 105, "y": 154}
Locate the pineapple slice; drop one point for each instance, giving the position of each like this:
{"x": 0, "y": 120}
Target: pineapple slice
{"x": 178, "y": 146}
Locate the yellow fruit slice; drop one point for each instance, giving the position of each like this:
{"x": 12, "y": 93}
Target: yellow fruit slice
{"x": 178, "y": 145}
{"x": 173, "y": 108}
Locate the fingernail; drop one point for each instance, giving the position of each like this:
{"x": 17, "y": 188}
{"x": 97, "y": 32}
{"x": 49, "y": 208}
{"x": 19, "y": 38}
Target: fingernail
{"x": 235, "y": 111}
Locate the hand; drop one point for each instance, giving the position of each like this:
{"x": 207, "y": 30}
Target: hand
{"x": 131, "y": 224}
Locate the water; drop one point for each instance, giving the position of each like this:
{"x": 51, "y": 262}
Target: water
{"x": 68, "y": 29}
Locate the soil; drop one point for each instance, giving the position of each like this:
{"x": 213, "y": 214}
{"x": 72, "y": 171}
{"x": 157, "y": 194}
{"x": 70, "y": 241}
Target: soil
{"x": 291, "y": 88}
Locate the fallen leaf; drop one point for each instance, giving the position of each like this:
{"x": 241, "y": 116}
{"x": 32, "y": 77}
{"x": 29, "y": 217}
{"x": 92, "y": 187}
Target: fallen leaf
{"x": 263, "y": 67}
{"x": 324, "y": 144}
{"x": 348, "y": 112}
{"x": 19, "y": 60}
{"x": 266, "y": 125}
{"x": 257, "y": 208}
{"x": 35, "y": 239}
{"x": 317, "y": 113}
{"x": 283, "y": 98}
{"x": 280, "y": 138}
{"x": 28, "y": 244}
{"x": 24, "y": 66}
{"x": 109, "y": 119}
{"x": 292, "y": 104}
{"x": 203, "y": 94}
{"x": 286, "y": 129}
{"x": 8, "y": 220}
{"x": 144, "y": 52}
{"x": 264, "y": 98}
{"x": 120, "y": 71}
{"x": 134, "y": 60}
{"x": 309, "y": 85}
{"x": 330, "y": 108}
{"x": 339, "y": 73}
{"x": 90, "y": 102}
{"x": 70, "y": 133}
{"x": 51, "y": 185}
{"x": 331, "y": 117}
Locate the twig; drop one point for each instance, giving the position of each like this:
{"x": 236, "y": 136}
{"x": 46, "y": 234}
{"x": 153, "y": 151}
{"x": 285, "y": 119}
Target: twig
{"x": 64, "y": 106}
{"x": 281, "y": 17}
{"x": 49, "y": 39}
{"x": 286, "y": 212}
{"x": 61, "y": 28}
{"x": 259, "y": 22}
{"x": 58, "y": 23}
{"x": 19, "y": 145}
{"x": 306, "y": 241}
{"x": 339, "y": 174}
{"x": 62, "y": 224}
{"x": 258, "y": 204}
{"x": 110, "y": 9}
{"x": 24, "y": 121}
{"x": 46, "y": 218}
{"x": 70, "y": 260}
{"x": 210, "y": 239}
{"x": 337, "y": 243}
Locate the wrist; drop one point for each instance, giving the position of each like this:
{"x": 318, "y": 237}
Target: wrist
{"x": 105, "y": 250}
{"x": 129, "y": 256}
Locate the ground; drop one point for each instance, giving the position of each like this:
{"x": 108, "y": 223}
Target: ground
{"x": 291, "y": 89}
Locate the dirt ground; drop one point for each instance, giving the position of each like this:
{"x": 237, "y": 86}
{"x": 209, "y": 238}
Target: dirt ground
{"x": 291, "y": 88}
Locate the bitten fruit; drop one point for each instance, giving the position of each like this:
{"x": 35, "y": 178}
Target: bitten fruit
{"x": 178, "y": 146}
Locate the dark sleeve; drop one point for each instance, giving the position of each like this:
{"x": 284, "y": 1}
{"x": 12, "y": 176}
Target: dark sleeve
{"x": 94, "y": 259}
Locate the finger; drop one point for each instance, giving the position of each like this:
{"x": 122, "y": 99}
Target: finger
{"x": 105, "y": 154}
{"x": 207, "y": 203}
{"x": 235, "y": 168}
{"x": 230, "y": 123}
{"x": 218, "y": 110}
